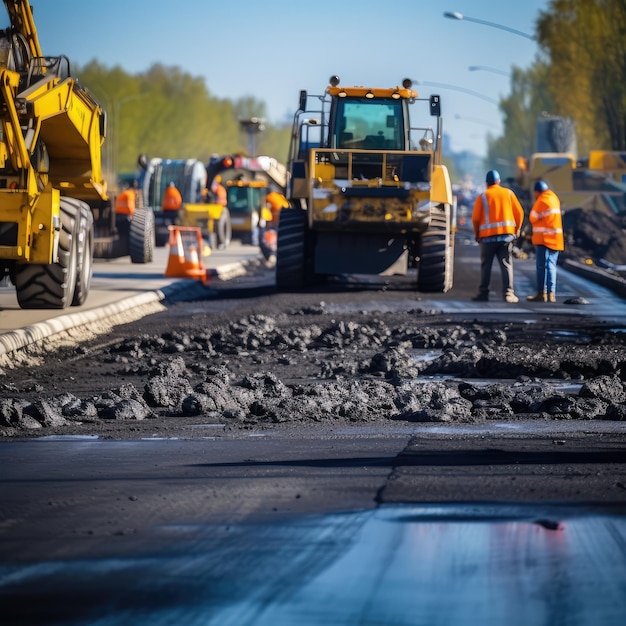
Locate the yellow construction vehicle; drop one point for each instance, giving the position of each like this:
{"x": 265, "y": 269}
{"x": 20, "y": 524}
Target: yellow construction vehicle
{"x": 365, "y": 197}
{"x": 595, "y": 183}
{"x": 247, "y": 181}
{"x": 190, "y": 178}
{"x": 248, "y": 213}
{"x": 55, "y": 214}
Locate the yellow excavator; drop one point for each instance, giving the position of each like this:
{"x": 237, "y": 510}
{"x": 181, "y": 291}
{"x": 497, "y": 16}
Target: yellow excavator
{"x": 55, "y": 213}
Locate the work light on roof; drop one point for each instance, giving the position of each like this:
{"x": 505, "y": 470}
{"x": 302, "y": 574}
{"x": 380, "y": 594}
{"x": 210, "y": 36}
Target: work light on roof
{"x": 334, "y": 81}
{"x": 407, "y": 83}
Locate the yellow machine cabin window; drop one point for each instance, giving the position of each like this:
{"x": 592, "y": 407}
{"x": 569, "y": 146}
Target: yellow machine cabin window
{"x": 366, "y": 124}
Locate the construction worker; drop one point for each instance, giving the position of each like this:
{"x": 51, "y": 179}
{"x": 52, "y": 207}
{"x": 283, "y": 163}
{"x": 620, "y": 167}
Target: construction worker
{"x": 545, "y": 218}
{"x": 126, "y": 201}
{"x": 497, "y": 219}
{"x": 172, "y": 200}
{"x": 219, "y": 191}
{"x": 275, "y": 202}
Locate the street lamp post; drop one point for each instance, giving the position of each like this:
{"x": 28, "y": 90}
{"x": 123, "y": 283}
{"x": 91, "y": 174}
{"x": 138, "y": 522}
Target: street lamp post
{"x": 252, "y": 126}
{"x": 455, "y": 15}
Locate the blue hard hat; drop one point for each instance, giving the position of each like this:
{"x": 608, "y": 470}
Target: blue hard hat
{"x": 541, "y": 186}
{"x": 493, "y": 177}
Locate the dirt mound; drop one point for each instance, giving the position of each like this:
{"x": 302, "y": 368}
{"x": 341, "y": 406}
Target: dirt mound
{"x": 596, "y": 235}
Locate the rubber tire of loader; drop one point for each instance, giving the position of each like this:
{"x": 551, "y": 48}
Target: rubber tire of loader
{"x": 436, "y": 265}
{"x": 142, "y": 236}
{"x": 52, "y": 286}
{"x": 292, "y": 250}
{"x": 84, "y": 271}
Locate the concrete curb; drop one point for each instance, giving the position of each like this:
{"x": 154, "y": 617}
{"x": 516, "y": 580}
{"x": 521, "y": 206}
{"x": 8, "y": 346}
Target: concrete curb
{"x": 615, "y": 283}
{"x": 131, "y": 309}
{"x": 22, "y": 337}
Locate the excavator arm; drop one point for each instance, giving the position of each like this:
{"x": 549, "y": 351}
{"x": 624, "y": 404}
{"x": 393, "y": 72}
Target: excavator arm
{"x": 53, "y": 128}
{"x": 22, "y": 23}
{"x": 55, "y": 214}
{"x": 51, "y": 136}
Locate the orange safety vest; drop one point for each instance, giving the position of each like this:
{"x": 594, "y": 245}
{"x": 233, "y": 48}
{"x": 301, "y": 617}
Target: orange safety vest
{"x": 172, "y": 200}
{"x": 125, "y": 203}
{"x": 497, "y": 211}
{"x": 276, "y": 202}
{"x": 545, "y": 218}
{"x": 220, "y": 193}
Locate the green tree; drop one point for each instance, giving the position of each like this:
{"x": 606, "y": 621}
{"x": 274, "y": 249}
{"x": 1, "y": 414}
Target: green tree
{"x": 529, "y": 99}
{"x": 585, "y": 41}
{"x": 165, "y": 112}
{"x": 580, "y": 73}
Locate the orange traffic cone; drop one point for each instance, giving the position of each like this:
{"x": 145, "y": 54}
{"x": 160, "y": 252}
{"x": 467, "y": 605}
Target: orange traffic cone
{"x": 183, "y": 261}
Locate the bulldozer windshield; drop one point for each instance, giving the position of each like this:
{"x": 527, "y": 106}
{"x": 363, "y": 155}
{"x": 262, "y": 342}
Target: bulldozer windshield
{"x": 369, "y": 124}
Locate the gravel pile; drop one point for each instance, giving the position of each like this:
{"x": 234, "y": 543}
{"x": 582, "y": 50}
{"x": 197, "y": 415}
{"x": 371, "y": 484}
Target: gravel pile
{"x": 309, "y": 366}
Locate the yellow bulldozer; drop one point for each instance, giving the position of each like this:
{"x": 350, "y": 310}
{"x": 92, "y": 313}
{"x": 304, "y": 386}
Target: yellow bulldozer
{"x": 368, "y": 192}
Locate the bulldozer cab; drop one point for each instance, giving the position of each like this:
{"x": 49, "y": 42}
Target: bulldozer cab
{"x": 361, "y": 132}
{"x": 360, "y": 123}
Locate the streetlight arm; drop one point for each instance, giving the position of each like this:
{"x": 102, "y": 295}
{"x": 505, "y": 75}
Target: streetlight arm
{"x": 475, "y": 68}
{"x": 455, "y": 15}
{"x": 455, "y": 88}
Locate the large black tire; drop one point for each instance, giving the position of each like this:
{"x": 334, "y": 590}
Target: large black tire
{"x": 142, "y": 236}
{"x": 292, "y": 248}
{"x": 85, "y": 256}
{"x": 224, "y": 230}
{"x": 436, "y": 264}
{"x": 52, "y": 286}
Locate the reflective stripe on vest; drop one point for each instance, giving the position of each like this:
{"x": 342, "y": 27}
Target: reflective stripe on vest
{"x": 548, "y": 231}
{"x": 546, "y": 212}
{"x": 488, "y": 225}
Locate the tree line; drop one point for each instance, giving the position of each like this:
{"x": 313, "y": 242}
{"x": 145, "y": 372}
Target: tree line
{"x": 579, "y": 73}
{"x": 168, "y": 113}
{"x": 165, "y": 112}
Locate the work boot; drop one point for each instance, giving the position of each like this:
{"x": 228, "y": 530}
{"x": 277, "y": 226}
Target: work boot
{"x": 551, "y": 297}
{"x": 481, "y": 297}
{"x": 538, "y": 297}
{"x": 511, "y": 298}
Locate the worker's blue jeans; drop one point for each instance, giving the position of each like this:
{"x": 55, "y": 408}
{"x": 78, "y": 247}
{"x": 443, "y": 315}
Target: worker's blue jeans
{"x": 503, "y": 251}
{"x": 546, "y": 269}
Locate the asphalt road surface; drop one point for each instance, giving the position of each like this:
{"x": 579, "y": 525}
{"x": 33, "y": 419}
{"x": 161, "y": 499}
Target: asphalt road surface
{"x": 502, "y": 522}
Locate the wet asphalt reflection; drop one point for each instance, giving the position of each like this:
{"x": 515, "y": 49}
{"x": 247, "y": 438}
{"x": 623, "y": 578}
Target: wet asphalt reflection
{"x": 396, "y": 565}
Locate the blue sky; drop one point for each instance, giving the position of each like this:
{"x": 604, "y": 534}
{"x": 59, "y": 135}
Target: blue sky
{"x": 270, "y": 50}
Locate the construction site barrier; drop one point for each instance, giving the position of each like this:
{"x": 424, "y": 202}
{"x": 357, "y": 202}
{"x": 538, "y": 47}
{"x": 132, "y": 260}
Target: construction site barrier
{"x": 184, "y": 259}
